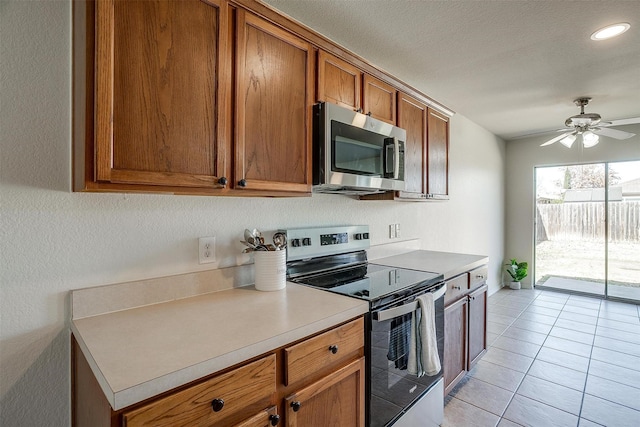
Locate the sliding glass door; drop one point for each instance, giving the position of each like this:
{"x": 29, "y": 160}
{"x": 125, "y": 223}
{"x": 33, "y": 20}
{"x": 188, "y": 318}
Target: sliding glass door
{"x": 587, "y": 229}
{"x": 570, "y": 241}
{"x": 623, "y": 241}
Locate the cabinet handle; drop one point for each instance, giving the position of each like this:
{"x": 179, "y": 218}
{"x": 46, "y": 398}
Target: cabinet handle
{"x": 369, "y": 114}
{"x": 359, "y": 110}
{"x": 217, "y": 405}
{"x": 242, "y": 182}
{"x": 274, "y": 419}
{"x": 296, "y": 406}
{"x": 479, "y": 276}
{"x": 222, "y": 181}
{"x": 456, "y": 288}
{"x": 333, "y": 349}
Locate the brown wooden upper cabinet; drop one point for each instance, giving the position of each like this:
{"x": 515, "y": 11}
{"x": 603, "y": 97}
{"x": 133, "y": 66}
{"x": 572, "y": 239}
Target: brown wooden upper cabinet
{"x": 274, "y": 102}
{"x": 155, "y": 113}
{"x": 426, "y": 170}
{"x": 159, "y": 115}
{"x": 412, "y": 117}
{"x": 344, "y": 84}
{"x": 339, "y": 82}
{"x": 438, "y": 155}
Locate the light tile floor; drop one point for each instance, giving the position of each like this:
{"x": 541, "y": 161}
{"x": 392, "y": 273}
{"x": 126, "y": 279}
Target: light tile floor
{"x": 554, "y": 359}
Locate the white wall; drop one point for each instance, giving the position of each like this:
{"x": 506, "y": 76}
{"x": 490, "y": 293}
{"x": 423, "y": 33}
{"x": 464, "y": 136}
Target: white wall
{"x": 523, "y": 156}
{"x": 54, "y": 240}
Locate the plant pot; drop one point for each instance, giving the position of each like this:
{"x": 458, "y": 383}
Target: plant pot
{"x": 515, "y": 285}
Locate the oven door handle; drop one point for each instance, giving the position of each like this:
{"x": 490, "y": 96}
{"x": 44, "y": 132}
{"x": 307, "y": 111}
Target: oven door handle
{"x": 390, "y": 313}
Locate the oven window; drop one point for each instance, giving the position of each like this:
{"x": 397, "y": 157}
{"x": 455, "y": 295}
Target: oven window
{"x": 356, "y": 150}
{"x": 393, "y": 389}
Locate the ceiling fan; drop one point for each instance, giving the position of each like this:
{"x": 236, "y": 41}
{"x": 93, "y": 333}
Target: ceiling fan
{"x": 590, "y": 126}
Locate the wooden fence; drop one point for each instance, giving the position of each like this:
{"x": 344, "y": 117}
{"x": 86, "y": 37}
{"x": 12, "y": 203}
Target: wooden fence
{"x": 585, "y": 221}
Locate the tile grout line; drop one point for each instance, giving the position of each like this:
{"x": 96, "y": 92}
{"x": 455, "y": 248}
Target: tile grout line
{"x": 511, "y": 324}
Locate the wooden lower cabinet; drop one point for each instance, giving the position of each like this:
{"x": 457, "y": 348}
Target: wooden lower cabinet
{"x": 465, "y": 325}
{"x": 455, "y": 343}
{"x": 335, "y": 400}
{"x": 329, "y": 389}
{"x": 477, "y": 342}
{"x": 224, "y": 399}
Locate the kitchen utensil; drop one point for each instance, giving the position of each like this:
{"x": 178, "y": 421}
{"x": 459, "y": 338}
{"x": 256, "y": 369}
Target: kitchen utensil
{"x": 280, "y": 240}
{"x": 257, "y": 235}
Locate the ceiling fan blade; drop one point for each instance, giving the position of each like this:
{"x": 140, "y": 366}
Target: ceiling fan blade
{"x": 622, "y": 122}
{"x": 613, "y": 133}
{"x": 556, "y": 139}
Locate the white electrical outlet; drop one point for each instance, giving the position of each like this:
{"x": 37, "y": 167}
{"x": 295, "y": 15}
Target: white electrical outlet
{"x": 392, "y": 231}
{"x": 207, "y": 250}
{"x": 397, "y": 231}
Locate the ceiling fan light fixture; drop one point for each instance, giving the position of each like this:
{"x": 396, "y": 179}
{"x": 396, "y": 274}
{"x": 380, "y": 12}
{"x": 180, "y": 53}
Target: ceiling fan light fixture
{"x": 610, "y": 31}
{"x": 568, "y": 140}
{"x": 589, "y": 139}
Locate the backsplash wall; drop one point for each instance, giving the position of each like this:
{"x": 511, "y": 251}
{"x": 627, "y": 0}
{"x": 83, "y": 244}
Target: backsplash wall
{"x": 53, "y": 240}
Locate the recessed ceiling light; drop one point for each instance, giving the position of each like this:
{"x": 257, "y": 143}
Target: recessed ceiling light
{"x": 610, "y": 31}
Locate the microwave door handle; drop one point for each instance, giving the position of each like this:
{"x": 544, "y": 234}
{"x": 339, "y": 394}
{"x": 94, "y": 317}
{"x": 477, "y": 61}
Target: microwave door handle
{"x": 388, "y": 151}
{"x": 396, "y": 158}
{"x": 390, "y": 313}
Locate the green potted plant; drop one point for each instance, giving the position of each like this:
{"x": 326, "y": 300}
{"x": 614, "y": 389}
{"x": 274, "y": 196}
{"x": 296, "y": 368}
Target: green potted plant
{"x": 517, "y": 271}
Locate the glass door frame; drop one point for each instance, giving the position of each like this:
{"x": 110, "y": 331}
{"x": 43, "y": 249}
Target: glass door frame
{"x": 607, "y": 231}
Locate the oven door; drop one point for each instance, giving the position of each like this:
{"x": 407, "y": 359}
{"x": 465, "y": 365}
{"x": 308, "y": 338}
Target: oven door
{"x": 393, "y": 390}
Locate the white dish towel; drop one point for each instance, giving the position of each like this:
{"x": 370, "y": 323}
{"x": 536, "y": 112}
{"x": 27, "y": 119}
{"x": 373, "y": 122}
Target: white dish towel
{"x": 423, "y": 347}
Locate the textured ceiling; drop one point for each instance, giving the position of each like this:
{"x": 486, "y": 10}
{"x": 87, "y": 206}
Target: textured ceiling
{"x": 513, "y": 67}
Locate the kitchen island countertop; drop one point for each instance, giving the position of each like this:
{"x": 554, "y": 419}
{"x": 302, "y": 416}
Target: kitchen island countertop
{"x": 144, "y": 351}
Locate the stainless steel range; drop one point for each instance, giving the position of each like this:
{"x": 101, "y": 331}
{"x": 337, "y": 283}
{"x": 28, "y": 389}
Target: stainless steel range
{"x": 335, "y": 259}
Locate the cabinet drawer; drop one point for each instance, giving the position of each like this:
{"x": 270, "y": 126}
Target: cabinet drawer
{"x": 264, "y": 418}
{"x": 246, "y": 389}
{"x": 324, "y": 350}
{"x": 456, "y": 287}
{"x": 477, "y": 277}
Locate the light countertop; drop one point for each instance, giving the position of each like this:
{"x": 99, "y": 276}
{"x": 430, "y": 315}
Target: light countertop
{"x": 447, "y": 263}
{"x": 140, "y": 352}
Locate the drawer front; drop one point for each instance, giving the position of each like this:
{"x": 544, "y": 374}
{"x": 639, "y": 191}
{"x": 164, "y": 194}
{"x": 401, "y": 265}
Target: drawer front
{"x": 456, "y": 287}
{"x": 264, "y": 418}
{"x": 478, "y": 277}
{"x": 324, "y": 350}
{"x": 240, "y": 390}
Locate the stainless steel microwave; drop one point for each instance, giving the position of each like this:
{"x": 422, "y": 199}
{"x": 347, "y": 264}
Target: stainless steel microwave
{"x": 355, "y": 153}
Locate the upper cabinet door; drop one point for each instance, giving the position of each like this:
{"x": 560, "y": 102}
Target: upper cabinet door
{"x": 438, "y": 154}
{"x": 379, "y": 99}
{"x": 274, "y": 100}
{"x": 412, "y": 117}
{"x": 161, "y": 69}
{"x": 338, "y": 81}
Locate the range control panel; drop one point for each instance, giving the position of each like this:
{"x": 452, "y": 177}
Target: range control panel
{"x": 320, "y": 241}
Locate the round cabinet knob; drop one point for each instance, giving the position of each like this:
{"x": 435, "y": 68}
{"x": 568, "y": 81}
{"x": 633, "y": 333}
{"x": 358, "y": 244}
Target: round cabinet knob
{"x": 369, "y": 114}
{"x": 296, "y": 406}
{"x": 242, "y": 183}
{"x": 359, "y": 110}
{"x": 217, "y": 405}
{"x": 274, "y": 419}
{"x": 222, "y": 181}
{"x": 333, "y": 349}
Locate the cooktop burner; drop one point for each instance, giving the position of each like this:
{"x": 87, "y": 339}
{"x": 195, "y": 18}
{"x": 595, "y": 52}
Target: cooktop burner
{"x": 369, "y": 281}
